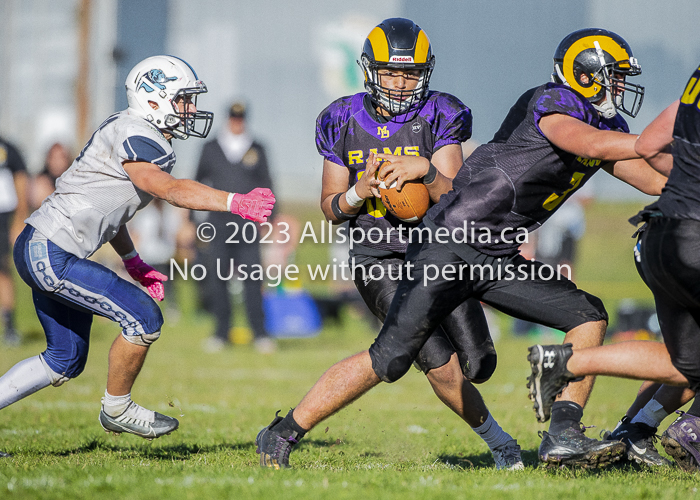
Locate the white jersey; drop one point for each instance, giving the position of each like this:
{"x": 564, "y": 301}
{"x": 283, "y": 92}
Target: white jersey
{"x": 95, "y": 196}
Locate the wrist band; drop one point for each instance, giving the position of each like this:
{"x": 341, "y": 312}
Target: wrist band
{"x": 130, "y": 255}
{"x": 429, "y": 178}
{"x": 352, "y": 198}
{"x": 228, "y": 201}
{"x": 335, "y": 207}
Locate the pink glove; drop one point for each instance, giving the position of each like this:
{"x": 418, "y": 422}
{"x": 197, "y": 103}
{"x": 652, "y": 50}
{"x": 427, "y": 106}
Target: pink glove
{"x": 149, "y": 278}
{"x": 256, "y": 205}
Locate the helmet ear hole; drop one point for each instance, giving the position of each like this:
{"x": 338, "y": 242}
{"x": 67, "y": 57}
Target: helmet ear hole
{"x": 153, "y": 105}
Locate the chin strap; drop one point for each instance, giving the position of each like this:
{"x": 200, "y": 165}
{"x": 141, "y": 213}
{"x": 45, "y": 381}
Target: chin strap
{"x": 607, "y": 108}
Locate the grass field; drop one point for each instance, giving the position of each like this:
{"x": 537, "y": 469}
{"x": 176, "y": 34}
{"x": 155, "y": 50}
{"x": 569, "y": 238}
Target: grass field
{"x": 396, "y": 442}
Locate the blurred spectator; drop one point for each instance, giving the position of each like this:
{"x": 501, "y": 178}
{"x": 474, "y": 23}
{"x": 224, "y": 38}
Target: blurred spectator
{"x": 156, "y": 230}
{"x": 233, "y": 161}
{"x": 285, "y": 236}
{"x": 13, "y": 211}
{"x": 58, "y": 160}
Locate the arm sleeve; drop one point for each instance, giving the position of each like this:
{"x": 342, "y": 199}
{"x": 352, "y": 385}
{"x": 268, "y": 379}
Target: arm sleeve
{"x": 328, "y": 134}
{"x": 454, "y": 121}
{"x": 564, "y": 101}
{"x": 141, "y": 148}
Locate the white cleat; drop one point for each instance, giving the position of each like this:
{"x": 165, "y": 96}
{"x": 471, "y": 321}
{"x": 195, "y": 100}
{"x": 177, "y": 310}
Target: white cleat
{"x": 139, "y": 421}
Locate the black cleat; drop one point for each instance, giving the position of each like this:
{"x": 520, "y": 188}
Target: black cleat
{"x": 4, "y": 455}
{"x": 273, "y": 448}
{"x": 639, "y": 439}
{"x": 682, "y": 441}
{"x": 572, "y": 447}
{"x": 507, "y": 456}
{"x": 549, "y": 376}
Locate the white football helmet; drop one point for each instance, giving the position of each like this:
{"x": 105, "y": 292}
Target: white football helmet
{"x": 162, "y": 80}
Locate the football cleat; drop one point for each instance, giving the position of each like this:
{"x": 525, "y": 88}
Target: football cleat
{"x": 139, "y": 421}
{"x": 682, "y": 441}
{"x": 639, "y": 439}
{"x": 507, "y": 456}
{"x": 549, "y": 376}
{"x": 572, "y": 447}
{"x": 273, "y": 448}
{"x": 4, "y": 455}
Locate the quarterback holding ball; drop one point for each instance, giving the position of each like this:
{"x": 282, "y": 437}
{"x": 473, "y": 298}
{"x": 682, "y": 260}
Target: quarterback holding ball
{"x": 423, "y": 130}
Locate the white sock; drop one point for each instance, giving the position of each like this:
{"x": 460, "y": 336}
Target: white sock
{"x": 492, "y": 433}
{"x": 22, "y": 380}
{"x": 115, "y": 405}
{"x": 652, "y": 414}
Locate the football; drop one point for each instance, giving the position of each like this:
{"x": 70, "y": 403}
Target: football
{"x": 409, "y": 204}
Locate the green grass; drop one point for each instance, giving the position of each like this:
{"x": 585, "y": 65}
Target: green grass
{"x": 398, "y": 441}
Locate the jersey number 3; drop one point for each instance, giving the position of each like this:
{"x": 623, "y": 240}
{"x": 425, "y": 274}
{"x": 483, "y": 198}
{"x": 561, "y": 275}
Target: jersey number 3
{"x": 555, "y": 199}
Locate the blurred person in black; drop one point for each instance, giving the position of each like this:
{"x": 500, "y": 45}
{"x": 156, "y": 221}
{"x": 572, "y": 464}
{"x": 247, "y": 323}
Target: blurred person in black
{"x": 13, "y": 211}
{"x": 233, "y": 158}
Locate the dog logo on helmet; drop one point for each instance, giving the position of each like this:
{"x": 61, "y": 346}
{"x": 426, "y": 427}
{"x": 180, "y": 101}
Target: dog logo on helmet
{"x": 157, "y": 78}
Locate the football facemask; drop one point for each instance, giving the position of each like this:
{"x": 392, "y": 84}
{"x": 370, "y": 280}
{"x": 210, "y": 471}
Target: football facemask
{"x": 606, "y": 60}
{"x": 397, "y": 44}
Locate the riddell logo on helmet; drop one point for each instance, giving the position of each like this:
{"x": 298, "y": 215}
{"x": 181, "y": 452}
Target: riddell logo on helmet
{"x": 400, "y": 59}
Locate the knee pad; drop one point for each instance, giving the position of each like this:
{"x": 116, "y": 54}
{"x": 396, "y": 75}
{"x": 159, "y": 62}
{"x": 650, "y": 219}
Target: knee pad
{"x": 478, "y": 369}
{"x": 55, "y": 378}
{"x": 144, "y": 340}
{"x": 65, "y": 362}
{"x": 436, "y": 352}
{"x": 392, "y": 369}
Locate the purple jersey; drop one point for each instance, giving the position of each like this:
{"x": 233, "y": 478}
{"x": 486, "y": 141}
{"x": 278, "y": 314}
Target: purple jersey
{"x": 346, "y": 132}
{"x": 517, "y": 181}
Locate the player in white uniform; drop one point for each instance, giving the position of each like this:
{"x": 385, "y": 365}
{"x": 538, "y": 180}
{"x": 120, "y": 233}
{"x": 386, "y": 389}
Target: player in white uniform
{"x": 126, "y": 163}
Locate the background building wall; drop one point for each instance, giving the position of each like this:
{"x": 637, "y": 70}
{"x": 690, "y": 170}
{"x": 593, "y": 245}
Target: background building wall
{"x": 291, "y": 59}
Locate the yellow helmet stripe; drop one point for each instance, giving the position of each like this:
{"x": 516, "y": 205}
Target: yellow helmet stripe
{"x": 606, "y": 43}
{"x": 380, "y": 46}
{"x": 422, "y": 48}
